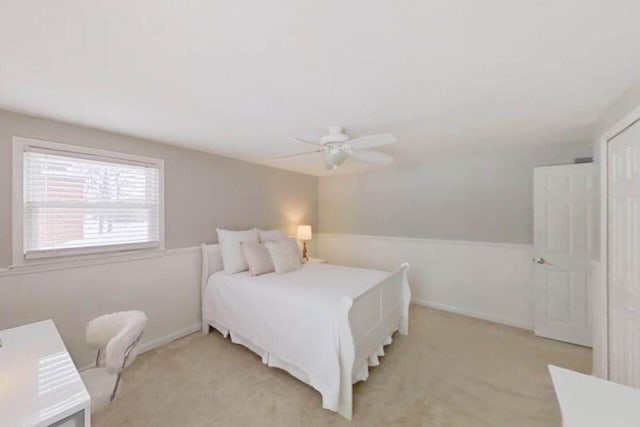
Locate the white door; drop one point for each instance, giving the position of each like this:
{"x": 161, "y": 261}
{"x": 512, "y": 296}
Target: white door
{"x": 624, "y": 256}
{"x": 564, "y": 207}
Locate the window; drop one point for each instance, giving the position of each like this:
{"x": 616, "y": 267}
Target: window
{"x": 70, "y": 200}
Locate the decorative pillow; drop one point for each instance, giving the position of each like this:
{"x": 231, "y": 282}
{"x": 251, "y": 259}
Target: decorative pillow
{"x": 232, "y": 256}
{"x": 285, "y": 255}
{"x": 258, "y": 258}
{"x": 272, "y": 235}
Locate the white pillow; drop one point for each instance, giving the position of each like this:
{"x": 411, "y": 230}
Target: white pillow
{"x": 258, "y": 258}
{"x": 285, "y": 255}
{"x": 230, "y": 241}
{"x": 272, "y": 235}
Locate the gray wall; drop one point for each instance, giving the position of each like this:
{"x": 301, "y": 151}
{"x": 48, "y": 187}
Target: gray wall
{"x": 203, "y": 191}
{"x": 481, "y": 195}
{"x": 623, "y": 105}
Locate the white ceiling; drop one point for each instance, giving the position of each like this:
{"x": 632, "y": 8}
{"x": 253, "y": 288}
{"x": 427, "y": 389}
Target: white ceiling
{"x": 238, "y": 77}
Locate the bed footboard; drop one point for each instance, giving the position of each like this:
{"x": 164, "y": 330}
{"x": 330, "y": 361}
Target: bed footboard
{"x": 372, "y": 317}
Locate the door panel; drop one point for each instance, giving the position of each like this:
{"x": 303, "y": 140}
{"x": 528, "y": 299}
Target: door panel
{"x": 623, "y": 256}
{"x": 563, "y": 235}
{"x": 559, "y": 296}
{"x": 558, "y": 222}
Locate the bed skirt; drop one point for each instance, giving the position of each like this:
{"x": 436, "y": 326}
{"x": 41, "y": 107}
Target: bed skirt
{"x": 330, "y": 398}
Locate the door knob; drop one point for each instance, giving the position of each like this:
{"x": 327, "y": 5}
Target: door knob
{"x": 539, "y": 260}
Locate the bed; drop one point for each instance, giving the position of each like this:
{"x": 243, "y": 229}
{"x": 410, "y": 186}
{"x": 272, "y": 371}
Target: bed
{"x": 324, "y": 324}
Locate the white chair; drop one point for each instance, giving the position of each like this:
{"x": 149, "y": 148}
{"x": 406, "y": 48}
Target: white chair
{"x": 117, "y": 336}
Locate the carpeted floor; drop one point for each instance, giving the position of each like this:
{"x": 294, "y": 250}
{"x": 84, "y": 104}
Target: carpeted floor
{"x": 450, "y": 371}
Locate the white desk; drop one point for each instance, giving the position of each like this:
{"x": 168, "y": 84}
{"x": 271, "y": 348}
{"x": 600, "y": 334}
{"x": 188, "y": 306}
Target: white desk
{"x": 587, "y": 401}
{"x": 39, "y": 384}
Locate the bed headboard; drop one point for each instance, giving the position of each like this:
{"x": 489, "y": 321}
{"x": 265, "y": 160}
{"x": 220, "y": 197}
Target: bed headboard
{"x": 211, "y": 262}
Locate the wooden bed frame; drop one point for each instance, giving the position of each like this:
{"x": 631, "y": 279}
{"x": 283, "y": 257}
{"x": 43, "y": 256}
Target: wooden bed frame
{"x": 371, "y": 317}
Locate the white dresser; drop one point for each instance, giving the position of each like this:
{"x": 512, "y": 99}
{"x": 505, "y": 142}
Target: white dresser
{"x": 587, "y": 401}
{"x": 39, "y": 384}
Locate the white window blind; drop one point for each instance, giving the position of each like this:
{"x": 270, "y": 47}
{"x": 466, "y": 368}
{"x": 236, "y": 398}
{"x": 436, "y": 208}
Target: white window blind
{"x": 81, "y": 203}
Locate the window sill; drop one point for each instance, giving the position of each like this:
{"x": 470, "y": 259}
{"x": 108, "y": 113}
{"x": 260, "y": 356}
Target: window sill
{"x": 37, "y": 266}
{"x": 79, "y": 253}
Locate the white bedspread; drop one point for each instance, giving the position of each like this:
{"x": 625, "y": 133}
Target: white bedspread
{"x": 290, "y": 319}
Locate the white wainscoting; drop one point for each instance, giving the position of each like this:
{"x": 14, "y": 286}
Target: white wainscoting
{"x": 485, "y": 280}
{"x": 598, "y": 311}
{"x": 490, "y": 281}
{"x": 164, "y": 285}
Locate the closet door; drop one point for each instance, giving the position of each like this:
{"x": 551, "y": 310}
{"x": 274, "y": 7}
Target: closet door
{"x": 624, "y": 256}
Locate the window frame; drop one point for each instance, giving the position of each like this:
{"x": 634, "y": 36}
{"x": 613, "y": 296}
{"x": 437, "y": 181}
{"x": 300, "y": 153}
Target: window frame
{"x": 19, "y": 257}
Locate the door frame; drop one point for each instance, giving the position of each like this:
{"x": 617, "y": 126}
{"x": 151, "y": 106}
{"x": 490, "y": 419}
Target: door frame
{"x": 602, "y": 318}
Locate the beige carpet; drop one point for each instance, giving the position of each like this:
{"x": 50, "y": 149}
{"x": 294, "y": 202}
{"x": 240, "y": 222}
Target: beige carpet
{"x": 450, "y": 371}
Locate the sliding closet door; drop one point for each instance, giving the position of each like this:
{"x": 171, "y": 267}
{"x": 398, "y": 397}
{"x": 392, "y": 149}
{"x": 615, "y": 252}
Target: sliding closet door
{"x": 624, "y": 256}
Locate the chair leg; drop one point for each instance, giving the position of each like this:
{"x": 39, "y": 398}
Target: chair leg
{"x": 98, "y": 359}
{"x": 115, "y": 388}
{"x": 124, "y": 363}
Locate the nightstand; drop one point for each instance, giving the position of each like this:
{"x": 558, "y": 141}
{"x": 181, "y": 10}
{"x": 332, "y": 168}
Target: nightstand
{"x": 315, "y": 260}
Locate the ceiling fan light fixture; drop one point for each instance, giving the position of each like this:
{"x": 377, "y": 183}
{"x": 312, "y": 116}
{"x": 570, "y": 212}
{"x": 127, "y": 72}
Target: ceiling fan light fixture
{"x": 335, "y": 158}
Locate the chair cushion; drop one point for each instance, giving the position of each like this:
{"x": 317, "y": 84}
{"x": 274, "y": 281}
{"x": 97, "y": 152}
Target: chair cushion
{"x": 103, "y": 328}
{"x": 132, "y": 325}
{"x": 100, "y": 330}
{"x": 99, "y": 383}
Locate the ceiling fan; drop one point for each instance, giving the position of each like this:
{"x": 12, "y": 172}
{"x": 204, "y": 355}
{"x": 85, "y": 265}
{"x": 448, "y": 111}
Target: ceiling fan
{"x": 337, "y": 147}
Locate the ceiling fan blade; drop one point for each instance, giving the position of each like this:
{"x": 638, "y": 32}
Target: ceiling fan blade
{"x": 288, "y": 156}
{"x": 372, "y": 141}
{"x": 371, "y": 156}
{"x": 304, "y": 141}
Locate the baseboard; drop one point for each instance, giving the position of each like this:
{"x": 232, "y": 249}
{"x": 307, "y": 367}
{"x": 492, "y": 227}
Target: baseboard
{"x": 158, "y": 342}
{"x": 474, "y": 314}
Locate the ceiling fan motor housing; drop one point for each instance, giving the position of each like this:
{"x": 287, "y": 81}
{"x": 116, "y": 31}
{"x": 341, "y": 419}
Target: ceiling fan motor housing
{"x": 336, "y": 135}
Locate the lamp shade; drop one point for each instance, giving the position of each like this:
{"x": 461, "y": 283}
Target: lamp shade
{"x": 304, "y": 232}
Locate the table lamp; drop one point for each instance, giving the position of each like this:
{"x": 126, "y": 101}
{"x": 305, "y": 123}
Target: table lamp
{"x": 304, "y": 234}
